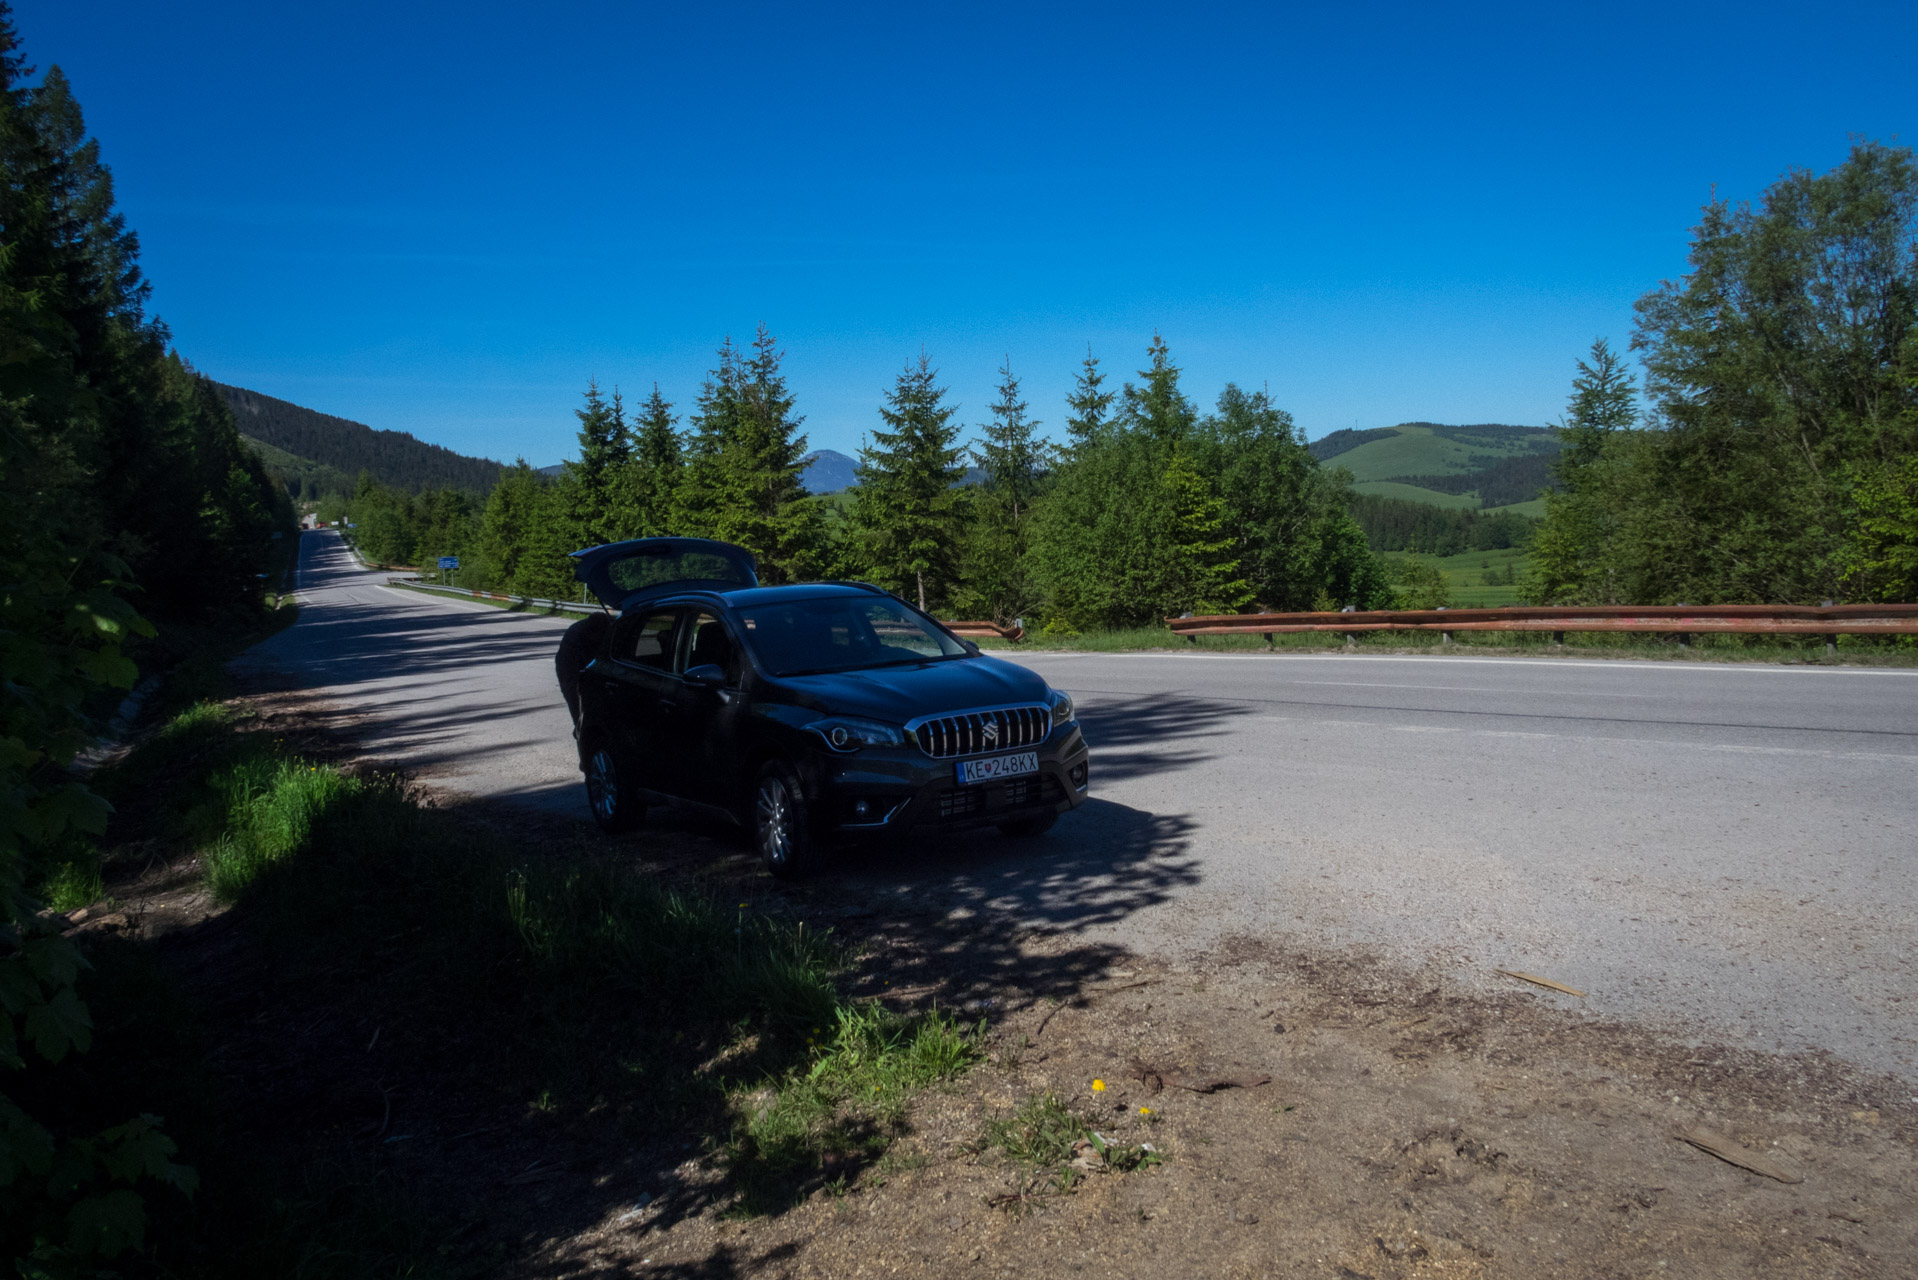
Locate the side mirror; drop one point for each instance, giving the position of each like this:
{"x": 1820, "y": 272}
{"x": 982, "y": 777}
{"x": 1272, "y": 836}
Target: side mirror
{"x": 971, "y": 648}
{"x": 706, "y": 676}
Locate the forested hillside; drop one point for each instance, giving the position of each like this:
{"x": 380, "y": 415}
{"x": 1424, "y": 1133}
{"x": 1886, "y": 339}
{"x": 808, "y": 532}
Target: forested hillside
{"x": 1488, "y": 464}
{"x": 348, "y": 448}
{"x": 133, "y": 521}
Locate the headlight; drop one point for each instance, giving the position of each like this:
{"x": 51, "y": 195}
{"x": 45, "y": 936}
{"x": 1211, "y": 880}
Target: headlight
{"x": 1061, "y": 705}
{"x": 843, "y": 733}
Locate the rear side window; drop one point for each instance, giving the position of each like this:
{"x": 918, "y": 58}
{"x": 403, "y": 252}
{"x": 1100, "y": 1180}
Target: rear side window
{"x": 647, "y": 641}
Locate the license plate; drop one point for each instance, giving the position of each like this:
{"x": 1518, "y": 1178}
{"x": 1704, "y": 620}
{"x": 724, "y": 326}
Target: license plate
{"x": 992, "y": 768}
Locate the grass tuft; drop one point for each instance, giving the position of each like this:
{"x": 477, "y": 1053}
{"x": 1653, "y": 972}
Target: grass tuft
{"x": 834, "y": 1114}
{"x": 271, "y": 809}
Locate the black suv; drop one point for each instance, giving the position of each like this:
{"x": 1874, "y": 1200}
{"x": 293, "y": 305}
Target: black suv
{"x": 803, "y": 713}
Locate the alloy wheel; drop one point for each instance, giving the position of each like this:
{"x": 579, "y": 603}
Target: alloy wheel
{"x": 602, "y": 785}
{"x": 775, "y": 821}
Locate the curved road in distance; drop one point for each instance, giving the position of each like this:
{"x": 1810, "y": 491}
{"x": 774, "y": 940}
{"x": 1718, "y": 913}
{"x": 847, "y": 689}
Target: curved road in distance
{"x": 1726, "y": 851}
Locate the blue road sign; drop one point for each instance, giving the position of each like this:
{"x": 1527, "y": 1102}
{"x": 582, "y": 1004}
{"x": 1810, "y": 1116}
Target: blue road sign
{"x": 449, "y": 562}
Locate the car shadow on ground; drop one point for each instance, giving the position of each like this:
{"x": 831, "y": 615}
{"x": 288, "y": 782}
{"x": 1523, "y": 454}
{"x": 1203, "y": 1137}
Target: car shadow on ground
{"x": 970, "y": 922}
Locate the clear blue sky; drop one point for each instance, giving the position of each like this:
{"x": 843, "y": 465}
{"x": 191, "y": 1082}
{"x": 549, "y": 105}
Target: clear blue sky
{"x": 445, "y": 218}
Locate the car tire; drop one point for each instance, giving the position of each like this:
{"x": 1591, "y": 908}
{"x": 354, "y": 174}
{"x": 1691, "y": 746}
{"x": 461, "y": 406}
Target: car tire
{"x": 612, "y": 789}
{"x": 1025, "y": 828}
{"x": 781, "y": 826}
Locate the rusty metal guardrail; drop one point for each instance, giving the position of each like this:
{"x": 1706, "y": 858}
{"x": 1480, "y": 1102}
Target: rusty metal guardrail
{"x": 531, "y": 602}
{"x": 989, "y": 630}
{"x": 1681, "y": 620}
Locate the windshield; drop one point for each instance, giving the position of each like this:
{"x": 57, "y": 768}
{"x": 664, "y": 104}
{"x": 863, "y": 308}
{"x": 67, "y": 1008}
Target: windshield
{"x": 841, "y": 633}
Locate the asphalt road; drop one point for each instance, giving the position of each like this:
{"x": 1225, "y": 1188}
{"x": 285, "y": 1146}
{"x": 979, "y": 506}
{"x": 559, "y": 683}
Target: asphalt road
{"x": 1730, "y": 852}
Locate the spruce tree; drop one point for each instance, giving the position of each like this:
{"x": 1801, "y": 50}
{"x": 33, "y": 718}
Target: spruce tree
{"x": 908, "y": 507}
{"x": 1089, "y": 405}
{"x": 605, "y": 449}
{"x": 1015, "y": 460}
{"x": 1604, "y": 400}
{"x": 1158, "y": 407}
{"x": 1010, "y": 450}
{"x": 766, "y": 508}
{"x": 702, "y": 492}
{"x": 653, "y": 472}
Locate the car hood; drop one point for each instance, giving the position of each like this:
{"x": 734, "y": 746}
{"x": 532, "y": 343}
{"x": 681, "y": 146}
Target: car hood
{"x": 898, "y": 694}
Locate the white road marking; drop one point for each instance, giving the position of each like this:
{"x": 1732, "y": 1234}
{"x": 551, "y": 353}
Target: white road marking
{"x": 1590, "y": 664}
{"x": 1468, "y": 688}
{"x": 1594, "y": 739}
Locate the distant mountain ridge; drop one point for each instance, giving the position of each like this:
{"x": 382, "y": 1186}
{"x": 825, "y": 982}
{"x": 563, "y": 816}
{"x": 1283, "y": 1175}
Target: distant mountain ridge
{"x": 828, "y": 471}
{"x": 339, "y": 448}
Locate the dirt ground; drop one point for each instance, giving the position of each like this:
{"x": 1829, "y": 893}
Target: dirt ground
{"x": 1407, "y": 1130}
{"x": 1408, "y": 1127}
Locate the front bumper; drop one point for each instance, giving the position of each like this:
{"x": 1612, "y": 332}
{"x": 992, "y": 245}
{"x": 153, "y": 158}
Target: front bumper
{"x": 879, "y": 792}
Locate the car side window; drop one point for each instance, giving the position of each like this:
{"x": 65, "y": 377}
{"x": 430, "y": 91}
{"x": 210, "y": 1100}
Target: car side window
{"x": 708, "y": 643}
{"x": 647, "y": 641}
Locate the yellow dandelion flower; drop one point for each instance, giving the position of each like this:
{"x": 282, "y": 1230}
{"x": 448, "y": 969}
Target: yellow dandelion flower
{"x": 1145, "y": 1111}
{"x": 1098, "y": 1086}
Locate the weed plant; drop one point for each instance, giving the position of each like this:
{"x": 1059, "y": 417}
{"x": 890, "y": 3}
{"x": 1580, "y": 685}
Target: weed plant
{"x": 1043, "y": 1137}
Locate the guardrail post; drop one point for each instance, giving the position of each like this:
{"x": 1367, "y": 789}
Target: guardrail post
{"x": 1267, "y": 637}
{"x": 1191, "y": 639}
{"x": 1445, "y": 637}
{"x": 1351, "y": 640}
{"x": 1831, "y": 643}
{"x": 1558, "y": 638}
{"x": 1684, "y": 639}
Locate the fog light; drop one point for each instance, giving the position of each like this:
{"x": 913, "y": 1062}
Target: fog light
{"x": 861, "y": 809}
{"x": 1078, "y": 774}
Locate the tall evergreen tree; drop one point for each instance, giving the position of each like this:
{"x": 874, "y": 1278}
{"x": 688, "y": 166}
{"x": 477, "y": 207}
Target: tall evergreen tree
{"x": 908, "y": 506}
{"x": 653, "y": 474}
{"x": 605, "y": 450}
{"x": 1569, "y": 550}
{"x": 702, "y": 492}
{"x": 1010, "y": 450}
{"x": 1088, "y": 404}
{"x": 1015, "y": 460}
{"x": 1157, "y": 407}
{"x": 766, "y": 508}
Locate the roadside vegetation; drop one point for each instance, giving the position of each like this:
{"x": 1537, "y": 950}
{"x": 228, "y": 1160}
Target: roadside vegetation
{"x": 578, "y": 989}
{"x": 1767, "y": 460}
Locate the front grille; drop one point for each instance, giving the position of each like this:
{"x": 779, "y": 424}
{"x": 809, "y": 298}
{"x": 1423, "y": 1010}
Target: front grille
{"x": 972, "y": 733}
{"x": 1036, "y": 787}
{"x": 957, "y": 804}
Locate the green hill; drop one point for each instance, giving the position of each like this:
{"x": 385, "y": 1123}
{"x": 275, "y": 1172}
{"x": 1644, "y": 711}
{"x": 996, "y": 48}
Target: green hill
{"x": 335, "y": 450}
{"x": 1478, "y": 465}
